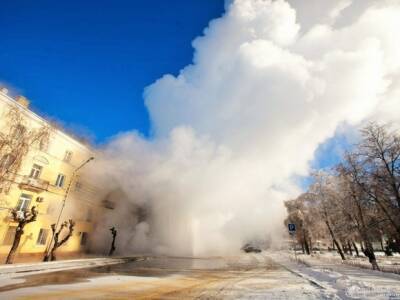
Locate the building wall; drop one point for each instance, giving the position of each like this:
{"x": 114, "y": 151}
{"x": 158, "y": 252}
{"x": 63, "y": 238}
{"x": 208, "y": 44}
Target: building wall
{"x": 81, "y": 204}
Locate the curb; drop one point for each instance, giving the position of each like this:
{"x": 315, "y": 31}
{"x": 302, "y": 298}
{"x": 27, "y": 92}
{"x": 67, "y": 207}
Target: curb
{"x": 25, "y": 269}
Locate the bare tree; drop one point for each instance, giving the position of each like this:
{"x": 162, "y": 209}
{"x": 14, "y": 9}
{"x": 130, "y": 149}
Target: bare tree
{"x": 22, "y": 218}
{"x": 57, "y": 242}
{"x": 359, "y": 200}
{"x": 114, "y": 235}
{"x": 359, "y": 203}
{"x": 298, "y": 214}
{"x": 381, "y": 149}
{"x": 324, "y": 200}
{"x": 16, "y": 140}
{"x": 375, "y": 167}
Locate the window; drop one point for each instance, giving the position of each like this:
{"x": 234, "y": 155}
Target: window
{"x": 60, "y": 180}
{"x": 42, "y": 237}
{"x": 84, "y": 237}
{"x": 10, "y": 234}
{"x": 6, "y": 161}
{"x": 36, "y": 171}
{"x": 23, "y": 202}
{"x": 67, "y": 156}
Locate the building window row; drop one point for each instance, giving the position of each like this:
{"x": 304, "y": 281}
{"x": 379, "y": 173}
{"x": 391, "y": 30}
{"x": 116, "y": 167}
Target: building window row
{"x": 36, "y": 171}
{"x": 41, "y": 238}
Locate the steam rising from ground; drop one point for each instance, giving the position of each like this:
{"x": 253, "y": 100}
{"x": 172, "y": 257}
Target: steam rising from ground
{"x": 235, "y": 129}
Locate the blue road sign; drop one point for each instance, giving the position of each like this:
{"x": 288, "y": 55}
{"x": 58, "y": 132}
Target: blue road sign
{"x": 292, "y": 228}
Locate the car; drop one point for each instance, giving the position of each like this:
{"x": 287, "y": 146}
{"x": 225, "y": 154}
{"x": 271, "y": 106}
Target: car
{"x": 248, "y": 248}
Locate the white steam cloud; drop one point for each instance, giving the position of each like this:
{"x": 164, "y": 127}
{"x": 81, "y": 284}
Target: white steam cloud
{"x": 234, "y": 130}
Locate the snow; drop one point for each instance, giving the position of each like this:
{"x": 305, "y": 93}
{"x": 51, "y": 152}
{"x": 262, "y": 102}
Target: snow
{"x": 342, "y": 280}
{"x": 267, "y": 275}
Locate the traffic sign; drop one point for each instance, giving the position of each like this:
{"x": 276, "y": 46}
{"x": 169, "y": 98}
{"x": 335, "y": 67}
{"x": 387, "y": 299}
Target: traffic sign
{"x": 292, "y": 228}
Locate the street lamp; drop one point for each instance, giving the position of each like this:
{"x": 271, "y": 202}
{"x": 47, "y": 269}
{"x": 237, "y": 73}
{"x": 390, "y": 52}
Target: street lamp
{"x": 63, "y": 204}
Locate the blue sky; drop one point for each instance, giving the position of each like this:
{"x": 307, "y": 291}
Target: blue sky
{"x": 86, "y": 63}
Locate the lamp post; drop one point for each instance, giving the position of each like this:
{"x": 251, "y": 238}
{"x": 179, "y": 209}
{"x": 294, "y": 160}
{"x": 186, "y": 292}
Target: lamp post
{"x": 46, "y": 258}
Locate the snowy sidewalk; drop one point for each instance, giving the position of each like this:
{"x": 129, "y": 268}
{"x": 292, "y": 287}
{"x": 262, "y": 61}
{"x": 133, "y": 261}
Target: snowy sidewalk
{"x": 24, "y": 269}
{"x": 344, "y": 281}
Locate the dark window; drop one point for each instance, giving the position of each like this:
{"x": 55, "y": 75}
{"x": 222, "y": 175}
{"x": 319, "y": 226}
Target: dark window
{"x": 67, "y": 156}
{"x": 84, "y": 237}
{"x": 23, "y": 202}
{"x": 36, "y": 171}
{"x": 60, "y": 180}
{"x": 42, "y": 237}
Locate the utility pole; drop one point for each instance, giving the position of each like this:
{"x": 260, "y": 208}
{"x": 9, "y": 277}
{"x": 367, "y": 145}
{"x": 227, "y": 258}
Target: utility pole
{"x": 63, "y": 205}
{"x": 292, "y": 232}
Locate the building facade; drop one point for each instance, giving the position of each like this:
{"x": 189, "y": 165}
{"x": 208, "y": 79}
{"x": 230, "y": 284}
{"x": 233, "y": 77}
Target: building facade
{"x": 45, "y": 178}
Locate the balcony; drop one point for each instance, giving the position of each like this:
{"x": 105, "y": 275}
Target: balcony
{"x": 35, "y": 185}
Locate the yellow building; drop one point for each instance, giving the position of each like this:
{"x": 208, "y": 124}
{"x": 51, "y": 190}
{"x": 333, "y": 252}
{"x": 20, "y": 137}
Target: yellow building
{"x": 42, "y": 181}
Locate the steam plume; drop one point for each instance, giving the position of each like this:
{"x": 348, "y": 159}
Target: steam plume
{"x": 234, "y": 130}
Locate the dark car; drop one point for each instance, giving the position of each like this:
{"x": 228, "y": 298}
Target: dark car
{"x": 251, "y": 249}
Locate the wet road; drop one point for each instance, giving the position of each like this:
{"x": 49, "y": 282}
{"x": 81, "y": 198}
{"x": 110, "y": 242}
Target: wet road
{"x": 247, "y": 276}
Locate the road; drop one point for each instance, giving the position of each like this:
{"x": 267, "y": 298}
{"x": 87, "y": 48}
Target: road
{"x": 246, "y": 276}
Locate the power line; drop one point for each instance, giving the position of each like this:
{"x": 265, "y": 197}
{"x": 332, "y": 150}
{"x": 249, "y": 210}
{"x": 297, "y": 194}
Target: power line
{"x": 58, "y": 194}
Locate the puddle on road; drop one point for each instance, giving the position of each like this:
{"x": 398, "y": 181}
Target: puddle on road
{"x": 150, "y": 267}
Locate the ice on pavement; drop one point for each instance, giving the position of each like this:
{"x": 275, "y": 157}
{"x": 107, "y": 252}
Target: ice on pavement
{"x": 347, "y": 282}
{"x": 265, "y": 275}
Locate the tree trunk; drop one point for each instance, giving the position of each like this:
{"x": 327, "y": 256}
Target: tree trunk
{"x": 112, "y": 249}
{"x": 307, "y": 248}
{"x": 53, "y": 254}
{"x": 335, "y": 242}
{"x": 57, "y": 243}
{"x": 369, "y": 252}
{"x": 46, "y": 257}
{"x": 17, "y": 238}
{"x": 349, "y": 247}
{"x": 356, "y": 249}
{"x": 344, "y": 247}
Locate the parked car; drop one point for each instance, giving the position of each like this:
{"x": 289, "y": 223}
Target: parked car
{"x": 248, "y": 248}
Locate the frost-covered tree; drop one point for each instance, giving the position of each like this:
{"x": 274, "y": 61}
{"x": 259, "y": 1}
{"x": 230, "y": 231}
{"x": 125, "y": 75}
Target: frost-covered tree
{"x": 22, "y": 219}
{"x": 16, "y": 140}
